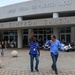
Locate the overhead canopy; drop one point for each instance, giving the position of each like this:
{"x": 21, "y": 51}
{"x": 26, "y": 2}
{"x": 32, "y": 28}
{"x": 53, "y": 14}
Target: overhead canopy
{"x": 65, "y": 21}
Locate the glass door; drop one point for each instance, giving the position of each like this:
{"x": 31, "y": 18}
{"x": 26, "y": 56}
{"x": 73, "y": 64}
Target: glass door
{"x": 48, "y": 37}
{"x": 25, "y": 40}
{"x": 11, "y": 38}
{"x": 41, "y": 39}
{"x": 68, "y": 38}
{"x": 5, "y": 38}
{"x": 65, "y": 37}
{"x": 62, "y": 37}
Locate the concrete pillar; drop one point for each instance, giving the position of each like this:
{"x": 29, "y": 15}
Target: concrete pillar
{"x": 19, "y": 18}
{"x": 73, "y": 34}
{"x": 55, "y": 29}
{"x": 56, "y": 32}
{"x": 19, "y": 32}
{"x": 20, "y": 43}
{"x": 55, "y": 15}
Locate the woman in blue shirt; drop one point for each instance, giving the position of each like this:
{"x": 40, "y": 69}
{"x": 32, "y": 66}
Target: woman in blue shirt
{"x": 54, "y": 50}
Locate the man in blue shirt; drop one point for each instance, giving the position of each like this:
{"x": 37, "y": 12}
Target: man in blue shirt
{"x": 54, "y": 50}
{"x": 34, "y": 52}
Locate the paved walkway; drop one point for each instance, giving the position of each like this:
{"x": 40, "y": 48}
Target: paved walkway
{"x": 21, "y": 64}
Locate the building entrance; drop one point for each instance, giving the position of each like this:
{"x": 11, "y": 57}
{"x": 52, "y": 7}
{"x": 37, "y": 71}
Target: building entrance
{"x": 65, "y": 34}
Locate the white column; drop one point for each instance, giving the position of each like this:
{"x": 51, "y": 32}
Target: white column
{"x": 55, "y": 29}
{"x": 20, "y": 43}
{"x": 19, "y": 18}
{"x": 55, "y": 15}
{"x": 73, "y": 34}
{"x": 56, "y": 32}
{"x": 29, "y": 31}
{"x": 19, "y": 32}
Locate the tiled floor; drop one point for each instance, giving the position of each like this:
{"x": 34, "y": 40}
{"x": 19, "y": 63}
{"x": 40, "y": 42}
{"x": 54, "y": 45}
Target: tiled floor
{"x": 21, "y": 64}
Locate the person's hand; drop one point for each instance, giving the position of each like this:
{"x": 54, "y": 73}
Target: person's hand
{"x": 50, "y": 40}
{"x": 63, "y": 50}
{"x": 39, "y": 54}
{"x": 31, "y": 36}
{"x": 32, "y": 33}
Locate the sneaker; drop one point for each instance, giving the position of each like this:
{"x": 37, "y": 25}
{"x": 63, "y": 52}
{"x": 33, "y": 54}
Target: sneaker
{"x": 37, "y": 70}
{"x": 56, "y": 72}
{"x": 52, "y": 68}
{"x": 32, "y": 71}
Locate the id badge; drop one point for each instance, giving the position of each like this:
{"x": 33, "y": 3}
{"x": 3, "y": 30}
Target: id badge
{"x": 34, "y": 49}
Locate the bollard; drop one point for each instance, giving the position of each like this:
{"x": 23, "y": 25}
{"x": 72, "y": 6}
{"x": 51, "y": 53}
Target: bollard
{"x": 14, "y": 53}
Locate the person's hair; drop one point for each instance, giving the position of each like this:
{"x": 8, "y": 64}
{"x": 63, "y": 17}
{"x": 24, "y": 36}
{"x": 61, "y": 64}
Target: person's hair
{"x": 53, "y": 36}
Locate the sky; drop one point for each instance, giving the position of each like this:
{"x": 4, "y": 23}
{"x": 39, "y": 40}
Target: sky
{"x": 8, "y": 2}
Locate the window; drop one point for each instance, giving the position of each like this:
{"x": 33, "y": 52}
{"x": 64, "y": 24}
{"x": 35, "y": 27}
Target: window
{"x": 65, "y": 34}
{"x": 25, "y": 31}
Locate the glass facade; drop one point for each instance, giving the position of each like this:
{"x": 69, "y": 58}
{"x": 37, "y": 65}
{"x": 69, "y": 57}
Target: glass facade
{"x": 44, "y": 33}
{"x": 25, "y": 37}
{"x": 10, "y": 35}
{"x": 65, "y": 34}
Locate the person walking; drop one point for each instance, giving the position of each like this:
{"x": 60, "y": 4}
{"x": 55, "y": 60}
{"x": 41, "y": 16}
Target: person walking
{"x": 54, "y": 51}
{"x": 34, "y": 52}
{"x": 3, "y": 46}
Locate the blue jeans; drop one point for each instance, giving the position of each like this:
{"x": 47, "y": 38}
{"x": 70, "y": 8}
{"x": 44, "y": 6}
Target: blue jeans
{"x": 32, "y": 61}
{"x": 54, "y": 59}
{"x": 2, "y": 52}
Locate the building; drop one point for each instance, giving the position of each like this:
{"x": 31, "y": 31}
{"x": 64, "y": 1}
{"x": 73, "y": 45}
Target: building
{"x": 44, "y": 17}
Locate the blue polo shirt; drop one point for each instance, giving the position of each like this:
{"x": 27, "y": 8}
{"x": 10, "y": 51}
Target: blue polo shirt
{"x": 54, "y": 46}
{"x": 34, "y": 46}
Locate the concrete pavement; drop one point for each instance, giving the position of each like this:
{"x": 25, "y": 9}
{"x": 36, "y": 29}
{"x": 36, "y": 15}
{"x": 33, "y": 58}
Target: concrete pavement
{"x": 21, "y": 64}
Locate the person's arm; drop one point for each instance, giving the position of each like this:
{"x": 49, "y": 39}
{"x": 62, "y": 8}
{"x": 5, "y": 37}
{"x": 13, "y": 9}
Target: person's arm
{"x": 48, "y": 42}
{"x": 38, "y": 47}
{"x": 39, "y": 51}
{"x": 31, "y": 36}
{"x": 0, "y": 46}
{"x": 60, "y": 46}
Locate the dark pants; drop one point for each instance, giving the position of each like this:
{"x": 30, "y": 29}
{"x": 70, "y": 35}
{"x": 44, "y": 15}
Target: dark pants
{"x": 54, "y": 59}
{"x": 32, "y": 61}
